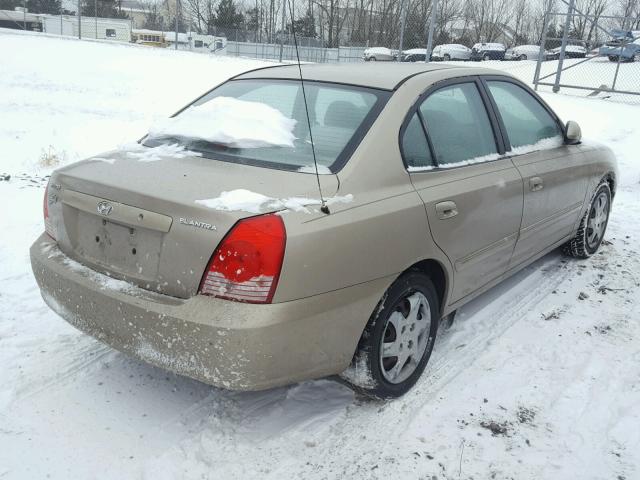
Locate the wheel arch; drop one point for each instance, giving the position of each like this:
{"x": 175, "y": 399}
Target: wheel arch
{"x": 438, "y": 274}
{"x": 610, "y": 178}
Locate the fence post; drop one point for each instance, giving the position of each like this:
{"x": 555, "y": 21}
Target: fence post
{"x": 79, "y": 21}
{"x": 176, "y": 37}
{"x": 282, "y": 33}
{"x": 615, "y": 76}
{"x": 565, "y": 35}
{"x": 402, "y": 23}
{"x": 543, "y": 45}
{"x": 95, "y": 15}
{"x": 432, "y": 26}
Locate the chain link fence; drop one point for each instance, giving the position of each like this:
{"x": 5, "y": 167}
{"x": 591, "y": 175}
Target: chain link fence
{"x": 608, "y": 65}
{"x": 595, "y": 53}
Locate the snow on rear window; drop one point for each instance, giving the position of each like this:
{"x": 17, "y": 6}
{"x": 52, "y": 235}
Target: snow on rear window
{"x": 243, "y": 124}
{"x": 264, "y": 122}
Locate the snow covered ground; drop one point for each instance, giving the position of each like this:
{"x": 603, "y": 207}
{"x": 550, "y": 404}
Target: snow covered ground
{"x": 537, "y": 379}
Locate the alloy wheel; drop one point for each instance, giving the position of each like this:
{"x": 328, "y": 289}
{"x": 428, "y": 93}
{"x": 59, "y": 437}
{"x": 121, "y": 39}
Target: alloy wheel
{"x": 597, "y": 222}
{"x": 405, "y": 338}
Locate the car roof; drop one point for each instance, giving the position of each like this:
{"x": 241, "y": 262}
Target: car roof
{"x": 382, "y": 75}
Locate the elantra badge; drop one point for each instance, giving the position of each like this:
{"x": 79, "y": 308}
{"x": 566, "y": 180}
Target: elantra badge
{"x": 105, "y": 208}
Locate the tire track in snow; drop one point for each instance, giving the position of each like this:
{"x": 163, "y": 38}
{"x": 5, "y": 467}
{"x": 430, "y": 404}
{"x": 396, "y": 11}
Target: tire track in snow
{"x": 479, "y": 324}
{"x": 69, "y": 358}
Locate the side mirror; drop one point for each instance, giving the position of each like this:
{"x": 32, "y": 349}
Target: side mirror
{"x": 574, "y": 134}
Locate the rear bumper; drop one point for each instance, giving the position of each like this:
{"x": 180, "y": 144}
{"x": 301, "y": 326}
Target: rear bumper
{"x": 228, "y": 344}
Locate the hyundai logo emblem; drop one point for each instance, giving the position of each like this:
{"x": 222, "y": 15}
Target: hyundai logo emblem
{"x": 105, "y": 208}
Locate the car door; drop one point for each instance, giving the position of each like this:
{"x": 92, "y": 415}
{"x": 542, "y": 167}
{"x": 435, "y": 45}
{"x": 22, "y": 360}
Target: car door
{"x": 555, "y": 175}
{"x": 472, "y": 196}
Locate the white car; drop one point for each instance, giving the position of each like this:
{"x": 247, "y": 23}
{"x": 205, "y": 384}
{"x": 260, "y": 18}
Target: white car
{"x": 451, "y": 51}
{"x": 525, "y": 52}
{"x": 378, "y": 54}
{"x": 571, "y": 51}
{"x": 414, "y": 55}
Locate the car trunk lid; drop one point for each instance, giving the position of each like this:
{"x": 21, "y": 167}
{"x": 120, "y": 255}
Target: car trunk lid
{"x": 140, "y": 221}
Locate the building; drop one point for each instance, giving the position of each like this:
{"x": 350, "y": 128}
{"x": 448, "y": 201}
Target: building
{"x": 20, "y": 19}
{"x": 91, "y": 27}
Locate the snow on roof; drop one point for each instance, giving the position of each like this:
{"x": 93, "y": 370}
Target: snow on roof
{"x": 383, "y": 50}
{"x": 415, "y": 51}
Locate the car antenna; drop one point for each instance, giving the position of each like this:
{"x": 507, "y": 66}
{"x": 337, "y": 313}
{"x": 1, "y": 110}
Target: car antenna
{"x": 324, "y": 208}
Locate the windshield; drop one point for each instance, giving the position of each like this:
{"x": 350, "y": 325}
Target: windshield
{"x": 264, "y": 123}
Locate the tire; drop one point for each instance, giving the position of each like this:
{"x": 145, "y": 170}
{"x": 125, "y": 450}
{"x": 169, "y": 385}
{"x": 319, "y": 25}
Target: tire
{"x": 613, "y": 58}
{"x": 446, "y": 57}
{"x": 592, "y": 226}
{"x": 486, "y": 57}
{"x": 523, "y": 57}
{"x": 399, "y": 321}
{"x": 372, "y": 59}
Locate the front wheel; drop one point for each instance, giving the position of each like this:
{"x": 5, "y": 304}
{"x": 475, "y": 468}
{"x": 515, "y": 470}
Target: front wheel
{"x": 486, "y": 57}
{"x": 446, "y": 57}
{"x": 592, "y": 226}
{"x": 398, "y": 339}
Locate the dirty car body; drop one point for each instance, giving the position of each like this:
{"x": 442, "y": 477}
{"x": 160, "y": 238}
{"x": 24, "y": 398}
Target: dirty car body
{"x": 141, "y": 253}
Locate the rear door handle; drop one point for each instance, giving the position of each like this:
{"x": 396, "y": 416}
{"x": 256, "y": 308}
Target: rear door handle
{"x": 535, "y": 184}
{"x": 446, "y": 210}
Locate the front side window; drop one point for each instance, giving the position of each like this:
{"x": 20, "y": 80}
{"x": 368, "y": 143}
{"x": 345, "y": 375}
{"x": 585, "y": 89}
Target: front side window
{"x": 527, "y": 122}
{"x": 458, "y": 126}
{"x": 264, "y": 122}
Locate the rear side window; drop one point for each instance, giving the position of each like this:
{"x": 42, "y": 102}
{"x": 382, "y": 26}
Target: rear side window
{"x": 458, "y": 125}
{"x": 527, "y": 122}
{"x": 415, "y": 148}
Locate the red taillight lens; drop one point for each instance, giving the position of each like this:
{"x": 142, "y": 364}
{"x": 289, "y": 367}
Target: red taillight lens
{"x": 246, "y": 265}
{"x": 48, "y": 227}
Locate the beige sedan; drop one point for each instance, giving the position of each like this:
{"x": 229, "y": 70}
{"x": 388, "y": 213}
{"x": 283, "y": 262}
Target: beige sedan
{"x": 219, "y": 249}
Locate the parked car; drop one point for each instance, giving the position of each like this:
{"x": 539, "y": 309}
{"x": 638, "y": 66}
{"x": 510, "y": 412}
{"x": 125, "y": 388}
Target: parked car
{"x": 488, "y": 51}
{"x": 525, "y": 52}
{"x": 451, "y": 51}
{"x": 379, "y": 54}
{"x": 204, "y": 250}
{"x": 624, "y": 46}
{"x": 571, "y": 51}
{"x": 414, "y": 55}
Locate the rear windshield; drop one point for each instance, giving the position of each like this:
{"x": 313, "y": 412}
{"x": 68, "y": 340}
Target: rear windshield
{"x": 264, "y": 123}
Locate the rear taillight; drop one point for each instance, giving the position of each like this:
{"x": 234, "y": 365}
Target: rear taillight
{"x": 48, "y": 227}
{"x": 246, "y": 265}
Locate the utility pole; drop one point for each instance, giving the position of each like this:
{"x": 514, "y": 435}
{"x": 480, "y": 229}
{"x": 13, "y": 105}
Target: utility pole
{"x": 432, "y": 26}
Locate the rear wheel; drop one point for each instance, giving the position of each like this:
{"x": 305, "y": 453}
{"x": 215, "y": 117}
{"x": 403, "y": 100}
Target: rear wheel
{"x": 372, "y": 59}
{"x": 523, "y": 57}
{"x": 486, "y": 57}
{"x": 613, "y": 58}
{"x": 398, "y": 340}
{"x": 446, "y": 57}
{"x": 592, "y": 226}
